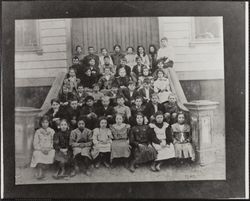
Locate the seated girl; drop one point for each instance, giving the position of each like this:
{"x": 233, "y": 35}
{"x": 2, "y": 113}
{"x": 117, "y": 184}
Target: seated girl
{"x": 102, "y": 139}
{"x": 72, "y": 81}
{"x": 145, "y": 74}
{"x": 64, "y": 97}
{"x": 162, "y": 141}
{"x": 104, "y": 53}
{"x": 182, "y": 139}
{"x": 120, "y": 147}
{"x": 44, "y": 152}
{"x": 162, "y": 86}
{"x": 152, "y": 55}
{"x": 142, "y": 53}
{"x": 81, "y": 143}
{"x": 63, "y": 152}
{"x": 55, "y": 113}
{"x": 130, "y": 57}
{"x": 141, "y": 143}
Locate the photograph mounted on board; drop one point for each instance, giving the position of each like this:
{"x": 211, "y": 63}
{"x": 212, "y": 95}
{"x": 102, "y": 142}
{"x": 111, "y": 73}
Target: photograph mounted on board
{"x": 119, "y": 99}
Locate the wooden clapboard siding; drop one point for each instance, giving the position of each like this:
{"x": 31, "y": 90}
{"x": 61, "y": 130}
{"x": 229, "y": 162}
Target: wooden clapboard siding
{"x": 39, "y": 73}
{"x": 105, "y": 32}
{"x": 192, "y": 61}
{"x": 54, "y": 57}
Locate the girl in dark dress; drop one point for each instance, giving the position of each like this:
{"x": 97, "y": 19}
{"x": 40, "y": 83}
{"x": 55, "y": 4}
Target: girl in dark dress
{"x": 63, "y": 152}
{"x": 141, "y": 143}
{"x": 152, "y": 57}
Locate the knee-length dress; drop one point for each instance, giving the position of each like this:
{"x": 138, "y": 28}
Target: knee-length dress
{"x": 102, "y": 139}
{"x": 43, "y": 140}
{"x": 140, "y": 141}
{"x": 62, "y": 148}
{"x": 163, "y": 134}
{"x": 81, "y": 142}
{"x": 182, "y": 141}
{"x": 120, "y": 147}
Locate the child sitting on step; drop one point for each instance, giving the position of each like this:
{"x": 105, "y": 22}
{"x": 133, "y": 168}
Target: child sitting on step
{"x": 72, "y": 81}
{"x": 162, "y": 86}
{"x": 171, "y": 109}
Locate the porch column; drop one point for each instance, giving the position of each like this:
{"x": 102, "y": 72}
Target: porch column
{"x": 202, "y": 117}
{"x": 25, "y": 124}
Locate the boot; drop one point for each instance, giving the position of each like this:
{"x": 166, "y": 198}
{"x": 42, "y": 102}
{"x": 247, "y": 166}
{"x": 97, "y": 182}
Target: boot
{"x": 152, "y": 167}
{"x": 132, "y": 167}
{"x": 158, "y": 166}
{"x": 97, "y": 165}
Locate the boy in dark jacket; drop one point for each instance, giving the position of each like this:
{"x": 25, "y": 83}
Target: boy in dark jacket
{"x": 106, "y": 110}
{"x": 171, "y": 109}
{"x": 89, "y": 113}
{"x": 73, "y": 113}
{"x": 152, "y": 107}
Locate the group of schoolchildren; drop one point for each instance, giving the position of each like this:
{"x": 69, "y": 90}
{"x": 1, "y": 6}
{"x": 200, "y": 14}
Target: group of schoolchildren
{"x": 113, "y": 107}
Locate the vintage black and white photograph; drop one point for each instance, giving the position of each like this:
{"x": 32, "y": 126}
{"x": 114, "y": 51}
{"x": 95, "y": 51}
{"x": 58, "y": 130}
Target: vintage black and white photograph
{"x": 119, "y": 99}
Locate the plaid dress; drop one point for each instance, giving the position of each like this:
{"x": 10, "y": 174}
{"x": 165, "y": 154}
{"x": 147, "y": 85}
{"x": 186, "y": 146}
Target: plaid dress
{"x": 182, "y": 141}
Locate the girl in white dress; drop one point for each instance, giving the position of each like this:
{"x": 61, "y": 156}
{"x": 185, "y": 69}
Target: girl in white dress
{"x": 163, "y": 142}
{"x": 102, "y": 139}
{"x": 162, "y": 86}
{"x": 44, "y": 152}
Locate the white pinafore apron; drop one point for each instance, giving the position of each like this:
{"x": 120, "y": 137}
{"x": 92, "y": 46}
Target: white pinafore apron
{"x": 167, "y": 151}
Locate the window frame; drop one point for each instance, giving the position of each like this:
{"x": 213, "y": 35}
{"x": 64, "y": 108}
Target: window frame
{"x": 204, "y": 40}
{"x": 36, "y": 48}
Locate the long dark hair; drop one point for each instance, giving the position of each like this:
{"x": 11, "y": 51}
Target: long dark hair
{"x": 155, "y": 49}
{"x": 144, "y": 52}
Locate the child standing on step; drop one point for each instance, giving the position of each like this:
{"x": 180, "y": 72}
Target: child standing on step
{"x": 63, "y": 153}
{"x": 120, "y": 147}
{"x": 102, "y": 139}
{"x": 81, "y": 143}
{"x": 182, "y": 139}
{"x": 44, "y": 152}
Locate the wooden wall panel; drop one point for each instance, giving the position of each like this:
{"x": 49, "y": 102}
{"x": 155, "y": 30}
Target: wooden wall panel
{"x": 105, "y": 32}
